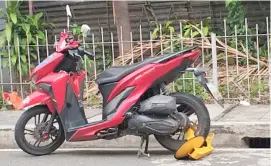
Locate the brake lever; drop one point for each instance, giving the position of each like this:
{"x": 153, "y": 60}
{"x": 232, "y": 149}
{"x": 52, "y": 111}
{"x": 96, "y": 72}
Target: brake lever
{"x": 88, "y": 53}
{"x": 77, "y": 55}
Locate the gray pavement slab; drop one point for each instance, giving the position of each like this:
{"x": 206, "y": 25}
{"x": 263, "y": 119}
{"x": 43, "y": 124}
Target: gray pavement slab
{"x": 225, "y": 157}
{"x": 253, "y": 113}
{"x": 238, "y": 114}
{"x": 229, "y": 130}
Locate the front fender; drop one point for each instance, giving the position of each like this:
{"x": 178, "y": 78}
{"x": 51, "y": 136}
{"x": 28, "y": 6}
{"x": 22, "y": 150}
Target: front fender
{"x": 38, "y": 97}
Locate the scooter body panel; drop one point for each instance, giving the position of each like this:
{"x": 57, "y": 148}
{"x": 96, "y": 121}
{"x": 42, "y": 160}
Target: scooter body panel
{"x": 64, "y": 90}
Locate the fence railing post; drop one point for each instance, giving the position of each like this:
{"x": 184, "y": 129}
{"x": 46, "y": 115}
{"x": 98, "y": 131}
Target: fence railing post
{"x": 214, "y": 60}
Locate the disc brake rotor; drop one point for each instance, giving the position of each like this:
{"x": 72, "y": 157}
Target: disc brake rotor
{"x": 40, "y": 132}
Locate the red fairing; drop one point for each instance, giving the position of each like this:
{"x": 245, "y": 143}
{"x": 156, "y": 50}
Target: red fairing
{"x": 141, "y": 79}
{"x": 193, "y": 56}
{"x": 47, "y": 67}
{"x": 63, "y": 45}
{"x": 148, "y": 74}
{"x": 75, "y": 81}
{"x": 58, "y": 81}
{"x": 38, "y": 97}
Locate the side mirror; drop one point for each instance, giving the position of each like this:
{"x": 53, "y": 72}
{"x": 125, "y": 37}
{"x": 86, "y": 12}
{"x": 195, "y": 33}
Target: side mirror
{"x": 68, "y": 11}
{"x": 69, "y": 15}
{"x": 85, "y": 29}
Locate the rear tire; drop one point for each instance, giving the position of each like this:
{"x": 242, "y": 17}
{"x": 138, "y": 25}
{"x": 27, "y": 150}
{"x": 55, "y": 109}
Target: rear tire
{"x": 199, "y": 109}
{"x": 20, "y": 133}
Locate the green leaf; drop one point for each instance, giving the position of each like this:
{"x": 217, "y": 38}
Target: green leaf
{"x": 5, "y": 53}
{"x": 206, "y": 22}
{"x": 34, "y": 56}
{"x": 74, "y": 30}
{"x": 36, "y": 23}
{"x": 38, "y": 16}
{"x": 171, "y": 29}
{"x": 8, "y": 31}
{"x": 13, "y": 17}
{"x": 15, "y": 40}
{"x": 23, "y": 43}
{"x": 26, "y": 27}
{"x": 13, "y": 59}
{"x": 24, "y": 69}
{"x": 205, "y": 31}
{"x": 74, "y": 25}
{"x": 23, "y": 58}
{"x": 168, "y": 23}
{"x": 41, "y": 35}
{"x": 33, "y": 40}
{"x": 187, "y": 33}
{"x": 29, "y": 38}
{"x": 78, "y": 31}
{"x": 154, "y": 33}
{"x": 195, "y": 33}
{"x": 187, "y": 26}
{"x": 5, "y": 62}
{"x": 50, "y": 24}
{"x": 2, "y": 40}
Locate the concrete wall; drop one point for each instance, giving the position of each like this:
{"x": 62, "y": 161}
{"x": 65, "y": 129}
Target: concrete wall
{"x": 99, "y": 14}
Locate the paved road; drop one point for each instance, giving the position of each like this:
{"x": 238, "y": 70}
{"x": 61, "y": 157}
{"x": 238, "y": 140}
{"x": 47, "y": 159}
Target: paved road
{"x": 221, "y": 157}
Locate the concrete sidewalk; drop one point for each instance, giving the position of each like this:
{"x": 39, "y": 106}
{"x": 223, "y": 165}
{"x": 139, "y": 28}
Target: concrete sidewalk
{"x": 229, "y": 126}
{"x": 9, "y": 118}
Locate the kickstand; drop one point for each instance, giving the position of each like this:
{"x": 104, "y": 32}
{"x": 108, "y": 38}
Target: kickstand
{"x": 145, "y": 152}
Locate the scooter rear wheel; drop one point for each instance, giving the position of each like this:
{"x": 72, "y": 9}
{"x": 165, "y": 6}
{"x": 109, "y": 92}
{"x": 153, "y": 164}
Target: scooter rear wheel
{"x": 56, "y": 134}
{"x": 188, "y": 104}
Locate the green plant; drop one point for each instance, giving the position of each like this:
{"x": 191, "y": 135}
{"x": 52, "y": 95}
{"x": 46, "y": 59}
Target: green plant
{"x": 263, "y": 51}
{"x": 23, "y": 30}
{"x": 76, "y": 31}
{"x": 101, "y": 60}
{"x": 236, "y": 18}
{"x": 255, "y": 88}
{"x": 166, "y": 29}
{"x": 194, "y": 29}
{"x": 190, "y": 28}
{"x": 188, "y": 86}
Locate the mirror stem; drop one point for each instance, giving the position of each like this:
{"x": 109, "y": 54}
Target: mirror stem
{"x": 68, "y": 23}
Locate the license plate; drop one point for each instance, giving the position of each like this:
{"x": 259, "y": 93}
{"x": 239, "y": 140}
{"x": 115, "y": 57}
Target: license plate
{"x": 213, "y": 90}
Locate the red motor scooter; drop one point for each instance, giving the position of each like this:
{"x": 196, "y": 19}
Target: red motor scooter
{"x": 135, "y": 100}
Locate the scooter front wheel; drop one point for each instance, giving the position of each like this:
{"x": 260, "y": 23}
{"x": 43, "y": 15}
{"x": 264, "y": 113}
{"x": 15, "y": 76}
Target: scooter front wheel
{"x": 34, "y": 139}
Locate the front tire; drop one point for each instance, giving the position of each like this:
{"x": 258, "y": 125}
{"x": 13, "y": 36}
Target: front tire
{"x": 194, "y": 105}
{"x": 21, "y": 131}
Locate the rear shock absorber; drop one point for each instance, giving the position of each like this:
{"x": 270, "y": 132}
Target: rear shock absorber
{"x": 163, "y": 89}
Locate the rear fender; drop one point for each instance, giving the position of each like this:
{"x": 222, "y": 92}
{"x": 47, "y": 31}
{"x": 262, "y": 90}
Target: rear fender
{"x": 38, "y": 97}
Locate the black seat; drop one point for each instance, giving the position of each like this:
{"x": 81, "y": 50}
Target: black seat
{"x": 114, "y": 74}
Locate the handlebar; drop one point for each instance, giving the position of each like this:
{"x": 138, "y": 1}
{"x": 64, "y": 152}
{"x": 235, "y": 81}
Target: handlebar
{"x": 83, "y": 52}
{"x": 88, "y": 53}
{"x": 79, "y": 52}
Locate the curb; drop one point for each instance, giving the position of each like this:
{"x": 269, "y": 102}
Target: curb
{"x": 227, "y": 135}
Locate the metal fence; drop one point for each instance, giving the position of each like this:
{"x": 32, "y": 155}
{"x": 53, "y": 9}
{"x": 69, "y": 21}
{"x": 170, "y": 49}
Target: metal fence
{"x": 237, "y": 64}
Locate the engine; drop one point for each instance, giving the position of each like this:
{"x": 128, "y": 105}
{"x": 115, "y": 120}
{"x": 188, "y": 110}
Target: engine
{"x": 157, "y": 115}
